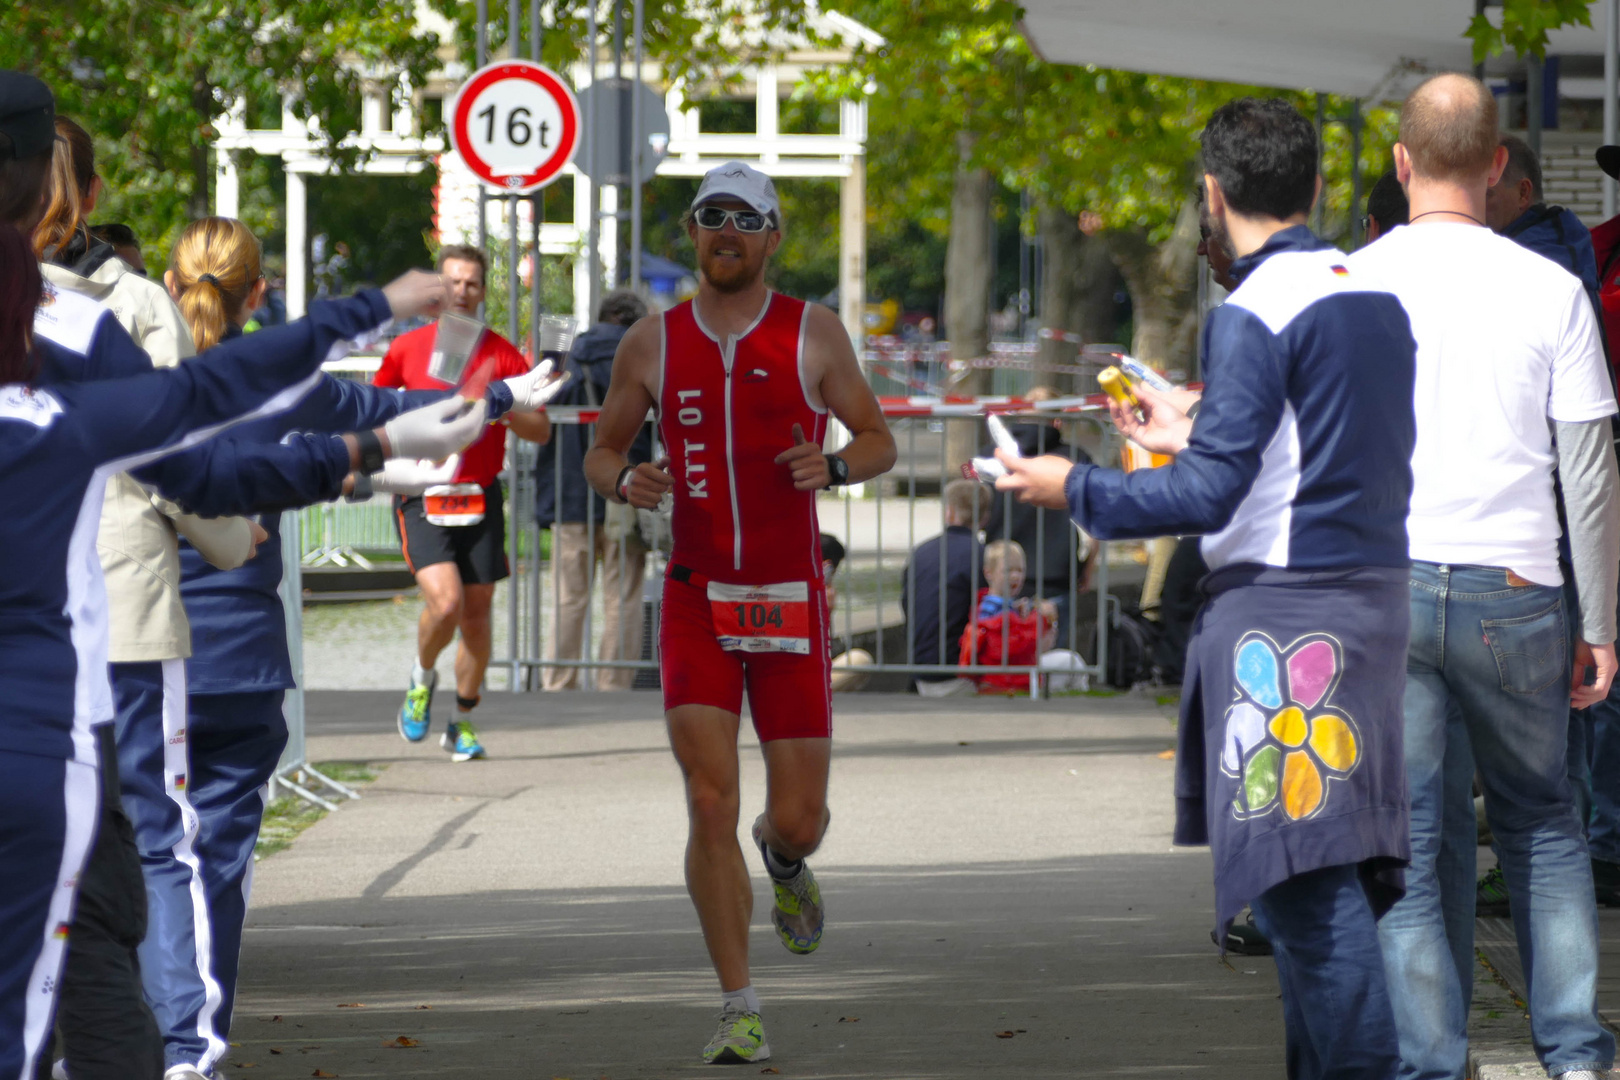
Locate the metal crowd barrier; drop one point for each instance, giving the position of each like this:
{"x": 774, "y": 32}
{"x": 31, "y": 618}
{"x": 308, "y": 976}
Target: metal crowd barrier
{"x": 880, "y": 523}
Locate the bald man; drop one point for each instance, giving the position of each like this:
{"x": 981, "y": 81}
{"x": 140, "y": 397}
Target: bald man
{"x": 1510, "y": 386}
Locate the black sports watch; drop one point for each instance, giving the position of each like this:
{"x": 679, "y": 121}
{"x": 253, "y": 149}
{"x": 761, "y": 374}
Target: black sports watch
{"x": 838, "y": 470}
{"x": 371, "y": 452}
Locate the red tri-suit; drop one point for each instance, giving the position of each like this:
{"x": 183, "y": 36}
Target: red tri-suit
{"x": 744, "y": 604}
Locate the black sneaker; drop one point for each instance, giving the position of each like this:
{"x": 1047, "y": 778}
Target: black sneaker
{"x": 1491, "y": 894}
{"x": 1245, "y": 938}
{"x": 1606, "y": 882}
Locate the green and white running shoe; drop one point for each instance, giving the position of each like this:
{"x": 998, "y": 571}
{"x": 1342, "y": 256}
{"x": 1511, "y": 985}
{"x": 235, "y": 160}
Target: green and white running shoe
{"x": 739, "y": 1040}
{"x": 798, "y": 915}
{"x": 416, "y": 715}
{"x": 462, "y": 741}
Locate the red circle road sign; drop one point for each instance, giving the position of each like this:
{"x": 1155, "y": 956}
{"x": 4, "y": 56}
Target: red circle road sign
{"x": 515, "y": 124}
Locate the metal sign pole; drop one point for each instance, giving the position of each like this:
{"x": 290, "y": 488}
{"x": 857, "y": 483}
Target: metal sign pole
{"x": 1611, "y": 86}
{"x": 637, "y": 148}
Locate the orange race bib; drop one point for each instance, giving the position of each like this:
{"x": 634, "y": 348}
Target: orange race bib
{"x": 762, "y": 618}
{"x": 453, "y": 504}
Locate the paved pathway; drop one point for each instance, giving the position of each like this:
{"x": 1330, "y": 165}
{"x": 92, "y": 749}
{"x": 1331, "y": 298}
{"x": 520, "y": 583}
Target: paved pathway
{"x": 993, "y": 867}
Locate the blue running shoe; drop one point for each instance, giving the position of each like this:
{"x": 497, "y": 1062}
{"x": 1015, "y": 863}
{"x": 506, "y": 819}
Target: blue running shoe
{"x": 462, "y": 741}
{"x": 416, "y": 715}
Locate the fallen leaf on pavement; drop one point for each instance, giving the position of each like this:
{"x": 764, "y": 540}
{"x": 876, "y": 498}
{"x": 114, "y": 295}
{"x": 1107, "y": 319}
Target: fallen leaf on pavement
{"x": 323, "y": 1074}
{"x": 424, "y": 1006}
{"x": 352, "y": 1005}
{"x": 275, "y": 1050}
{"x": 849, "y": 1019}
{"x": 771, "y": 1070}
{"x": 1004, "y": 1034}
{"x": 403, "y": 1040}
{"x": 964, "y": 742}
{"x": 1167, "y": 755}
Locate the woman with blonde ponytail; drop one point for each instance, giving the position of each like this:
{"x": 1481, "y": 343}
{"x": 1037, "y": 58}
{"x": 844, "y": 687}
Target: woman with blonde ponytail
{"x": 215, "y": 278}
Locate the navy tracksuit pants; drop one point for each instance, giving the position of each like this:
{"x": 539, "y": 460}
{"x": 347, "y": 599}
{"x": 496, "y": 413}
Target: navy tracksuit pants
{"x": 194, "y": 772}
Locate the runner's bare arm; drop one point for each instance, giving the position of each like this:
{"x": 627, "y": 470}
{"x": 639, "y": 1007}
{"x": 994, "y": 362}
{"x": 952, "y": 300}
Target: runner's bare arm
{"x": 624, "y": 410}
{"x": 846, "y": 392}
{"x": 533, "y": 426}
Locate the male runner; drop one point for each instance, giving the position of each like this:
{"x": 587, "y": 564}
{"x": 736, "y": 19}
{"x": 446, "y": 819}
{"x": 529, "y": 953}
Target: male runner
{"x": 742, "y": 380}
{"x": 454, "y": 538}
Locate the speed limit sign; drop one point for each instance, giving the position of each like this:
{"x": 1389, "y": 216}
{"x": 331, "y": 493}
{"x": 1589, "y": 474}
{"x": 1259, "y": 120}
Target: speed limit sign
{"x": 515, "y": 124}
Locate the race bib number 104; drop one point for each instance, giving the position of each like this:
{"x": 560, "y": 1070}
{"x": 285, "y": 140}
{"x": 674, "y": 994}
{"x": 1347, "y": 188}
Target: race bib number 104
{"x": 762, "y": 618}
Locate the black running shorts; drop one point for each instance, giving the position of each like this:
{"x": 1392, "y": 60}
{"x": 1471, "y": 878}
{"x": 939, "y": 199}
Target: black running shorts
{"x": 479, "y": 551}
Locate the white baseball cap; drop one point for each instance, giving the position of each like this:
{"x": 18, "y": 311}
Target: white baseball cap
{"x": 736, "y": 180}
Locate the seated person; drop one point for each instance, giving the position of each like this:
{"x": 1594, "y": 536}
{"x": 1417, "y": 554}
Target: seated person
{"x": 843, "y": 659}
{"x": 1012, "y": 631}
{"x": 935, "y": 618}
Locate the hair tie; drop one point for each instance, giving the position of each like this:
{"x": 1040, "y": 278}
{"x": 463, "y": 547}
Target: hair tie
{"x": 210, "y": 278}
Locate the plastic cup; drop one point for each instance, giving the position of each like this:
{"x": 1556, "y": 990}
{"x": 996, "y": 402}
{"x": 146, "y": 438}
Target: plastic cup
{"x": 453, "y": 345}
{"x": 556, "y": 337}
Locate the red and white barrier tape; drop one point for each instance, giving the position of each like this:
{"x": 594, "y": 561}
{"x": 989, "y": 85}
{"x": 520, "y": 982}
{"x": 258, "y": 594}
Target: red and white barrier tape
{"x": 921, "y": 407}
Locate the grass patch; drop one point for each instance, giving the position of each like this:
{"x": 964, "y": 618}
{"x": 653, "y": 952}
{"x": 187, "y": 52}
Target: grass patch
{"x": 290, "y": 814}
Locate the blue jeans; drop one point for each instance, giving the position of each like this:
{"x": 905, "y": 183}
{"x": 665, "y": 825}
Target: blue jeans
{"x": 1336, "y": 1009}
{"x": 1496, "y": 656}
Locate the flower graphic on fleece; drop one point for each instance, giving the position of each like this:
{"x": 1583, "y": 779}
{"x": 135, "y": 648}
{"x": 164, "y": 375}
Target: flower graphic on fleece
{"x": 1284, "y": 737}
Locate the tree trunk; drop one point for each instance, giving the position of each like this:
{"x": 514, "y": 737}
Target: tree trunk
{"x": 202, "y": 102}
{"x": 967, "y": 292}
{"x": 1163, "y": 280}
{"x": 1077, "y": 296}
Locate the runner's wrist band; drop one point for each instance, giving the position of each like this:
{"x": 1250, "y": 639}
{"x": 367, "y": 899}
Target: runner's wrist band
{"x": 371, "y": 453}
{"x": 361, "y": 490}
{"x": 621, "y": 486}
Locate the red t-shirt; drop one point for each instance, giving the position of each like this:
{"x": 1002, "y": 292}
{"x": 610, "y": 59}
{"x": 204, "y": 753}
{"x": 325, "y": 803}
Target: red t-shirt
{"x": 405, "y": 367}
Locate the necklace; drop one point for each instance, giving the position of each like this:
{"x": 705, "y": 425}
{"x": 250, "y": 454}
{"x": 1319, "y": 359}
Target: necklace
{"x": 1458, "y": 213}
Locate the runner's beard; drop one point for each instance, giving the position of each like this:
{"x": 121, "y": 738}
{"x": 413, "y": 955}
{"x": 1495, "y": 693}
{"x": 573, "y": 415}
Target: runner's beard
{"x": 732, "y": 275}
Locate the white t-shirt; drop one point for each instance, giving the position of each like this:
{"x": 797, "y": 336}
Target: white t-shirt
{"x": 1507, "y": 343}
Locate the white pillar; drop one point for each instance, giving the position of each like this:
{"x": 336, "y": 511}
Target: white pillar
{"x": 582, "y": 262}
{"x": 297, "y": 245}
{"x": 227, "y": 186}
{"x": 852, "y": 228}
{"x": 767, "y": 113}
{"x": 610, "y": 238}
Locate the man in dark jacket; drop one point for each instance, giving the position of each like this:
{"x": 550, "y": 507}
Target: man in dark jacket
{"x": 940, "y": 583}
{"x": 1057, "y": 552}
{"x": 580, "y": 530}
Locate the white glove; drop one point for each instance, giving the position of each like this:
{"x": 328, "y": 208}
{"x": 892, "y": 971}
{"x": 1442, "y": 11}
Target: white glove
{"x": 408, "y": 476}
{"x": 436, "y": 431}
{"x": 531, "y": 391}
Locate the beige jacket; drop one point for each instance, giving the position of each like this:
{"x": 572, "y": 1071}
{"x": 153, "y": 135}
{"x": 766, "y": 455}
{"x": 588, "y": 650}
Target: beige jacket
{"x": 140, "y": 555}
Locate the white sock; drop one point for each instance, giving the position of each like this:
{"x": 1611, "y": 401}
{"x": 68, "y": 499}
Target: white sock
{"x": 744, "y": 1000}
{"x": 421, "y": 676}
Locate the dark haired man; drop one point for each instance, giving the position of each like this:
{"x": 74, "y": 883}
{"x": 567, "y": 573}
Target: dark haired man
{"x": 744, "y": 381}
{"x": 454, "y": 537}
{"x": 1510, "y": 385}
{"x": 578, "y": 518}
{"x": 1296, "y": 472}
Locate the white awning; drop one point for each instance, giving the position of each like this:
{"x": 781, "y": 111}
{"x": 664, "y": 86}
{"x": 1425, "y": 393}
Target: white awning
{"x": 1365, "y": 48}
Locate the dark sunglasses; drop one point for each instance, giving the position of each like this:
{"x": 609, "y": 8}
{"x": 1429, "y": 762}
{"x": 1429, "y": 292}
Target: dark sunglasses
{"x": 715, "y": 217}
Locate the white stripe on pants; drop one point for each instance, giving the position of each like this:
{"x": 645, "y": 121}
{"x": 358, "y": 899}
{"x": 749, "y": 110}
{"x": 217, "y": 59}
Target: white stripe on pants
{"x": 81, "y": 794}
{"x": 176, "y": 773}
